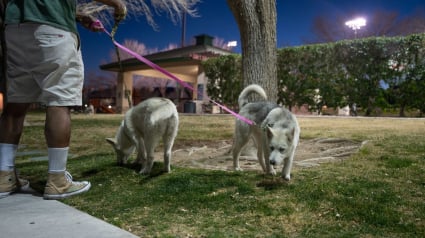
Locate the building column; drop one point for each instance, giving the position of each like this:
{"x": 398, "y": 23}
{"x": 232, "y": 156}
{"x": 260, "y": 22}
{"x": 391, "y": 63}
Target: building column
{"x": 124, "y": 94}
{"x": 201, "y": 79}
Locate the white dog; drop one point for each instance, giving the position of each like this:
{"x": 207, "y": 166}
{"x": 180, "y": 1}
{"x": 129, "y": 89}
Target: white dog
{"x": 276, "y": 133}
{"x": 142, "y": 128}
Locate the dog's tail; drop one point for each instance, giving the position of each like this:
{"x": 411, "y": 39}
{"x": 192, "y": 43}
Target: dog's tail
{"x": 253, "y": 88}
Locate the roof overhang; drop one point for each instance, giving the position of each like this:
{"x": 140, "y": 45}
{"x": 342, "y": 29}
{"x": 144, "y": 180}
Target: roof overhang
{"x": 184, "y": 63}
{"x": 189, "y": 55}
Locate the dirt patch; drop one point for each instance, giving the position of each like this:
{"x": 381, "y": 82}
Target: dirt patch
{"x": 309, "y": 153}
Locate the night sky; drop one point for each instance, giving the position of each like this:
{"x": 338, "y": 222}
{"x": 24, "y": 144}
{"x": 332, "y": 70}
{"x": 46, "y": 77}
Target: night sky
{"x": 294, "y": 25}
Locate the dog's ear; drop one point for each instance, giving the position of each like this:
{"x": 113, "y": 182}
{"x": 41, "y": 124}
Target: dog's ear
{"x": 270, "y": 132}
{"x": 112, "y": 142}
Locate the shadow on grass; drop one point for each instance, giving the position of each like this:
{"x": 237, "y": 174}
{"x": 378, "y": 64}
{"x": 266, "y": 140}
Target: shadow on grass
{"x": 272, "y": 183}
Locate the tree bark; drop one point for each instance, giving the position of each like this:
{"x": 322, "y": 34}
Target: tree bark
{"x": 257, "y": 26}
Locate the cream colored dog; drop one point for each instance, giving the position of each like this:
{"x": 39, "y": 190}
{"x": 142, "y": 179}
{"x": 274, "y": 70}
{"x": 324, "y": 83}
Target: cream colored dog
{"x": 142, "y": 128}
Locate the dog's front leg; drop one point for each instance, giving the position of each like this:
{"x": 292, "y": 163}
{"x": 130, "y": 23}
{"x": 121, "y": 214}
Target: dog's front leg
{"x": 150, "y": 150}
{"x": 147, "y": 167}
{"x": 266, "y": 154}
{"x": 269, "y": 167}
{"x": 287, "y": 165}
{"x": 141, "y": 152}
{"x": 148, "y": 164}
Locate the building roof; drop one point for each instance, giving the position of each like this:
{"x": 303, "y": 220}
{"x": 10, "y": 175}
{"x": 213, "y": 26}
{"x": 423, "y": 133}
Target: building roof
{"x": 192, "y": 54}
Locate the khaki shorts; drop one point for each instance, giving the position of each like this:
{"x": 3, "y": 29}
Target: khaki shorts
{"x": 44, "y": 65}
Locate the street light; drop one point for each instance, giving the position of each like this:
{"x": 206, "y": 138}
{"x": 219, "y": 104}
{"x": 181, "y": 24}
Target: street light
{"x": 231, "y": 44}
{"x": 356, "y": 24}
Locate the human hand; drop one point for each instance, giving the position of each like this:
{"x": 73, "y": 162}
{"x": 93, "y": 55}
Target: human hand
{"x": 96, "y": 26}
{"x": 120, "y": 9}
{"x": 90, "y": 22}
{"x": 120, "y": 12}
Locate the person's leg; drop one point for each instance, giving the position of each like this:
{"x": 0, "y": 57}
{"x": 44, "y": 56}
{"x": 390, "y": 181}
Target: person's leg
{"x": 12, "y": 122}
{"x": 58, "y": 127}
{"x": 21, "y": 91}
{"x": 58, "y": 133}
{"x": 11, "y": 126}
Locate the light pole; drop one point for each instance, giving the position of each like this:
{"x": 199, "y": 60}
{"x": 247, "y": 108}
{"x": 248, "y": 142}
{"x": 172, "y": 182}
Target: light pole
{"x": 356, "y": 24}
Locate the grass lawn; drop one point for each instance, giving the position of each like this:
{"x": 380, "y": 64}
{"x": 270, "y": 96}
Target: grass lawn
{"x": 378, "y": 192}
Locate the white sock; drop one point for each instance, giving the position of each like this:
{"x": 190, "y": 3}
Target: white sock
{"x": 7, "y": 156}
{"x": 57, "y": 159}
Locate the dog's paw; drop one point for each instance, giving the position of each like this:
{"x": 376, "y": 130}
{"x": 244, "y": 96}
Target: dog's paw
{"x": 144, "y": 172}
{"x": 287, "y": 177}
{"x": 238, "y": 169}
{"x": 272, "y": 171}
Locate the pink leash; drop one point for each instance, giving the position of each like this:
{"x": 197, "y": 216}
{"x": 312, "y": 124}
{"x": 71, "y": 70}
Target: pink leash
{"x": 165, "y": 72}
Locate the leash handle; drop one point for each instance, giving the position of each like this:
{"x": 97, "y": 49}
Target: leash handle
{"x": 165, "y": 72}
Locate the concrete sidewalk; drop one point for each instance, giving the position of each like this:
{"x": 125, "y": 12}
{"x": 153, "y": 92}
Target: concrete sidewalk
{"x": 29, "y": 215}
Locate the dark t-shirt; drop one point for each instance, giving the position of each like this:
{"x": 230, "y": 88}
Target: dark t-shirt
{"x": 57, "y": 13}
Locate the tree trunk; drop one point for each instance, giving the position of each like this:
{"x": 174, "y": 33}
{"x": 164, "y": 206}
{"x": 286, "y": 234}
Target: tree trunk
{"x": 257, "y": 26}
{"x": 402, "y": 109}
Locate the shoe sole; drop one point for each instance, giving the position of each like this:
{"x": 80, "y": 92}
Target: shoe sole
{"x": 66, "y": 195}
{"x": 22, "y": 188}
{"x": 5, "y": 194}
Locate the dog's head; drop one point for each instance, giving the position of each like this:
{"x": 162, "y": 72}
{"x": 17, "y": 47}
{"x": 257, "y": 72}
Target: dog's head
{"x": 282, "y": 132}
{"x": 122, "y": 145}
{"x": 280, "y": 143}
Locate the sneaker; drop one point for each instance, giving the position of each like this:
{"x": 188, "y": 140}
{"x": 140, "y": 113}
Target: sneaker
{"x": 9, "y": 184}
{"x": 60, "y": 185}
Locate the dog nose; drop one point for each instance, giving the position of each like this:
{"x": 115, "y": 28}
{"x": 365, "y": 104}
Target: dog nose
{"x": 272, "y": 162}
